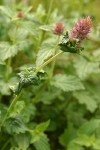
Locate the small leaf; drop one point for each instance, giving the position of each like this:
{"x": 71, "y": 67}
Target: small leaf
{"x": 15, "y": 125}
{"x": 47, "y": 50}
{"x": 42, "y": 126}
{"x": 38, "y": 131}
{"x": 85, "y": 98}
{"x": 7, "y": 11}
{"x": 89, "y": 127}
{"x": 67, "y": 83}
{"x": 42, "y": 143}
{"x": 84, "y": 67}
{"x": 7, "y": 50}
{"x": 22, "y": 140}
{"x": 85, "y": 140}
{"x": 69, "y": 46}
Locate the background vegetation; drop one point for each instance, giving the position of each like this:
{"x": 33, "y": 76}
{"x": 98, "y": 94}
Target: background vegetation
{"x": 63, "y": 111}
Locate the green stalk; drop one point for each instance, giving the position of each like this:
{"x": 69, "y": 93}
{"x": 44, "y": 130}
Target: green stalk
{"x": 48, "y": 61}
{"x": 49, "y": 11}
{"x": 47, "y": 18}
{"x": 5, "y": 145}
{"x": 8, "y": 69}
{"x": 9, "y": 109}
{"x": 54, "y": 62}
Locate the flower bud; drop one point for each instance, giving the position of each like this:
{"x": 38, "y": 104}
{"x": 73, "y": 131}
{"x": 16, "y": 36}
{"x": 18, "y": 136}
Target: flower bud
{"x": 20, "y": 14}
{"x": 58, "y": 28}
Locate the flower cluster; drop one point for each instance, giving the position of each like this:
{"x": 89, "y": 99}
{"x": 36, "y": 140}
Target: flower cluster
{"x": 81, "y": 29}
{"x": 58, "y": 28}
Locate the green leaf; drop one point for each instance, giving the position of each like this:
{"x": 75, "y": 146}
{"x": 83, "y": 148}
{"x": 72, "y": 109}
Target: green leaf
{"x": 67, "y": 83}
{"x": 69, "y": 46}
{"x": 28, "y": 112}
{"x": 22, "y": 140}
{"x": 7, "y": 11}
{"x": 85, "y": 97}
{"x": 68, "y": 135}
{"x": 85, "y": 140}
{"x": 2, "y": 111}
{"x": 4, "y": 88}
{"x": 42, "y": 143}
{"x": 7, "y": 50}
{"x": 89, "y": 127}
{"x": 42, "y": 127}
{"x": 73, "y": 146}
{"x": 46, "y": 28}
{"x": 96, "y": 144}
{"x": 27, "y": 77}
{"x": 38, "y": 131}
{"x": 18, "y": 107}
{"x": 31, "y": 27}
{"x": 15, "y": 125}
{"x": 84, "y": 67}
{"x": 47, "y": 50}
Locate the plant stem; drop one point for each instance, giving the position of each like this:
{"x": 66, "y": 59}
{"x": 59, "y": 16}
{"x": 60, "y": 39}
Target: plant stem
{"x": 5, "y": 145}
{"x": 8, "y": 69}
{"x": 10, "y": 107}
{"x": 49, "y": 11}
{"x": 54, "y": 62}
{"x": 48, "y": 61}
{"x": 46, "y": 21}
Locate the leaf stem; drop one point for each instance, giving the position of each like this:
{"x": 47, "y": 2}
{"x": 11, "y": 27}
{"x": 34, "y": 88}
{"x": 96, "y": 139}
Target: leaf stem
{"x": 46, "y": 20}
{"x": 48, "y": 61}
{"x": 5, "y": 145}
{"x": 49, "y": 11}
{"x": 8, "y": 69}
{"x": 10, "y": 107}
{"x": 54, "y": 62}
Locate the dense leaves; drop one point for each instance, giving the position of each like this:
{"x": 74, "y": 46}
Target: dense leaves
{"x": 49, "y": 84}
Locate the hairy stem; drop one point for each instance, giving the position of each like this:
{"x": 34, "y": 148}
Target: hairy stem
{"x": 49, "y": 11}
{"x": 54, "y": 62}
{"x": 47, "y": 18}
{"x": 48, "y": 61}
{"x": 8, "y": 69}
{"x": 9, "y": 109}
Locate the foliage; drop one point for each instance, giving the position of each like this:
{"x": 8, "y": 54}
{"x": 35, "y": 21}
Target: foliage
{"x": 48, "y": 102}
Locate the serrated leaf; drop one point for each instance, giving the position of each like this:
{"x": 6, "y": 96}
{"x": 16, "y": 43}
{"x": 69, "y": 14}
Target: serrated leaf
{"x": 4, "y": 88}
{"x": 89, "y": 127}
{"x": 84, "y": 67}
{"x": 7, "y": 11}
{"x": 2, "y": 111}
{"x": 30, "y": 27}
{"x": 42, "y": 143}
{"x": 46, "y": 28}
{"x": 84, "y": 97}
{"x": 67, "y": 83}
{"x": 18, "y": 107}
{"x": 68, "y": 135}
{"x": 22, "y": 140}
{"x": 47, "y": 50}
{"x": 38, "y": 131}
{"x": 7, "y": 50}
{"x": 73, "y": 146}
{"x": 42, "y": 126}
{"x": 96, "y": 144}
{"x": 28, "y": 112}
{"x": 15, "y": 125}
{"x": 85, "y": 140}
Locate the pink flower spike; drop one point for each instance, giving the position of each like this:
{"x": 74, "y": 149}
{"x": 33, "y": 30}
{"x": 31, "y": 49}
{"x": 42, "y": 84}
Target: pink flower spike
{"x": 58, "y": 28}
{"x": 81, "y": 29}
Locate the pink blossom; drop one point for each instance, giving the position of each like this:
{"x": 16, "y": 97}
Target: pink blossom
{"x": 81, "y": 29}
{"x": 58, "y": 28}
